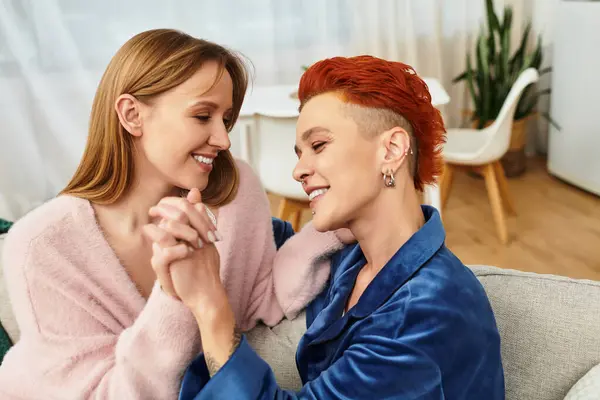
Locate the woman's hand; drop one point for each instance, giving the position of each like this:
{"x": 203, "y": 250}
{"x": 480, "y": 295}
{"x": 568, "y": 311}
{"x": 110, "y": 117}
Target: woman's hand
{"x": 187, "y": 218}
{"x": 191, "y": 273}
{"x": 186, "y": 267}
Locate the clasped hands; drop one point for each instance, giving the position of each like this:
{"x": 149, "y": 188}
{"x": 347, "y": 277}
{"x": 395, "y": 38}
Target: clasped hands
{"x": 184, "y": 256}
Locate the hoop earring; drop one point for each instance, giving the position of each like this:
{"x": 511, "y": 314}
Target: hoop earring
{"x": 388, "y": 179}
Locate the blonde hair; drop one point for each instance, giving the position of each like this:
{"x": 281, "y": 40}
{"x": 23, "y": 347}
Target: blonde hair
{"x": 146, "y": 66}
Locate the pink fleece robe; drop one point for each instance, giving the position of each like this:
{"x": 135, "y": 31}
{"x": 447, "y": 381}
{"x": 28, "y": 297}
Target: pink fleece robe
{"x": 87, "y": 333}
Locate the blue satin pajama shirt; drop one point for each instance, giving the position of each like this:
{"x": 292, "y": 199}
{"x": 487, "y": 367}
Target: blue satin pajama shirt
{"x": 423, "y": 329}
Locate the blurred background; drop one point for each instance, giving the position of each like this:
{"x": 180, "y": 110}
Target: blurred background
{"x": 53, "y": 52}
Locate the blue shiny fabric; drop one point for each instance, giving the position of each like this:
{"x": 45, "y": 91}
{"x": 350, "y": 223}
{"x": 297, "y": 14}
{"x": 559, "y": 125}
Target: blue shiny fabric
{"x": 282, "y": 231}
{"x": 423, "y": 329}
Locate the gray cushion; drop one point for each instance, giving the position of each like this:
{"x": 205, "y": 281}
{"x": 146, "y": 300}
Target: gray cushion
{"x": 549, "y": 325}
{"x": 550, "y": 329}
{"x": 588, "y": 387}
{"x": 277, "y": 346}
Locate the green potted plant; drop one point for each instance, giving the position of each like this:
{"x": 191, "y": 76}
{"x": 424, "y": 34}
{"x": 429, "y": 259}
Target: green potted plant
{"x": 493, "y": 74}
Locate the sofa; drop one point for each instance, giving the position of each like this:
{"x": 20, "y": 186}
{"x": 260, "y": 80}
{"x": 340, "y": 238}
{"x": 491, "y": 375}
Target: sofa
{"x": 549, "y": 326}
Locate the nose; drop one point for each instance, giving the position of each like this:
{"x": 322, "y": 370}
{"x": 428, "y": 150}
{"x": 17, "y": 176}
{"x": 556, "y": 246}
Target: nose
{"x": 303, "y": 169}
{"x": 219, "y": 137}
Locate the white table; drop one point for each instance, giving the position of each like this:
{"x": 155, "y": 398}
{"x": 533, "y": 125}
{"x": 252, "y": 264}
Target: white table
{"x": 277, "y": 102}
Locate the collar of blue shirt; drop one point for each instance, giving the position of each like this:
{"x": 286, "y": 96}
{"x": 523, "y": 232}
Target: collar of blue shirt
{"x": 403, "y": 265}
{"x": 412, "y": 256}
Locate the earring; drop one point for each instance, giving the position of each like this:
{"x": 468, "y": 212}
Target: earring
{"x": 388, "y": 179}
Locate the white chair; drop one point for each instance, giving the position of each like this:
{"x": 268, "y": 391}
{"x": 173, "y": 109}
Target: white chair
{"x": 273, "y": 152}
{"x": 482, "y": 150}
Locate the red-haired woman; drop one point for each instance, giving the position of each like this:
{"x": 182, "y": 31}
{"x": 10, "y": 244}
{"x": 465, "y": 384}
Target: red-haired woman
{"x": 402, "y": 317}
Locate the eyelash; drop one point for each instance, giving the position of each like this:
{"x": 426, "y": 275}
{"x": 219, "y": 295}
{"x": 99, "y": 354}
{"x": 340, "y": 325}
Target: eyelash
{"x": 317, "y": 147}
{"x": 206, "y": 118}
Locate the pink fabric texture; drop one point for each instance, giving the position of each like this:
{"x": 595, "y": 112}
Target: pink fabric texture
{"x": 87, "y": 333}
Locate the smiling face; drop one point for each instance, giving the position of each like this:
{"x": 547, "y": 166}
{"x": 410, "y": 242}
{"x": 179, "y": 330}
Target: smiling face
{"x": 340, "y": 166}
{"x": 182, "y": 131}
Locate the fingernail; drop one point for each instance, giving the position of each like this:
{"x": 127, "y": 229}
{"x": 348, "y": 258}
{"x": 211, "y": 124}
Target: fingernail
{"x": 211, "y": 237}
{"x": 190, "y": 249}
{"x": 200, "y": 243}
{"x": 218, "y": 235}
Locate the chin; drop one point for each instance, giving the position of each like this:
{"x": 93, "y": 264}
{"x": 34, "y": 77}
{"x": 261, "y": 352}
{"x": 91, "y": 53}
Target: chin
{"x": 189, "y": 184}
{"x": 327, "y": 222}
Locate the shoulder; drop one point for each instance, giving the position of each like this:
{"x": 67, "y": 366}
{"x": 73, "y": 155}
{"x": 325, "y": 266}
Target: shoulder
{"x": 250, "y": 188}
{"x": 248, "y": 177}
{"x": 250, "y": 205}
{"x": 447, "y": 291}
{"x": 450, "y": 279}
{"x": 45, "y": 226}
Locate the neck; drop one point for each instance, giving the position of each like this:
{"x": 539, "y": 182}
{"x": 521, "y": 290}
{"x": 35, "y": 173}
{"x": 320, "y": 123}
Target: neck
{"x": 130, "y": 213}
{"x": 387, "y": 223}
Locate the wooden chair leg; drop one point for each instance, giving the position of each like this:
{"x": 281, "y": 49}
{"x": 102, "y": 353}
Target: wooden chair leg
{"x": 503, "y": 186}
{"x": 495, "y": 201}
{"x": 295, "y": 220}
{"x": 291, "y": 211}
{"x": 284, "y": 209}
{"x": 446, "y": 183}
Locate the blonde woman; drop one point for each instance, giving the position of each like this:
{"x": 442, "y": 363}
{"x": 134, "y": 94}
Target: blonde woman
{"x": 94, "y": 324}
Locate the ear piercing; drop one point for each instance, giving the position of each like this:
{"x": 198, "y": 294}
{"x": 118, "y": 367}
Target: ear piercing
{"x": 388, "y": 179}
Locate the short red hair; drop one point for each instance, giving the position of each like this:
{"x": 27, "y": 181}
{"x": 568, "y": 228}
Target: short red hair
{"x": 376, "y": 83}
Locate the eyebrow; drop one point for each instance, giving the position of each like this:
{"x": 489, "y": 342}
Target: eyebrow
{"x": 207, "y": 103}
{"x": 308, "y": 133}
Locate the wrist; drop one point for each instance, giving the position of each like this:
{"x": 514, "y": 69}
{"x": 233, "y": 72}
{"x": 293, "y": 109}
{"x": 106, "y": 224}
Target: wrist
{"x": 213, "y": 312}
{"x": 214, "y": 317}
{"x": 220, "y": 337}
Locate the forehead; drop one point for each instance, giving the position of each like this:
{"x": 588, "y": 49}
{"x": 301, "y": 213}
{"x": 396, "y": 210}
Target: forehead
{"x": 321, "y": 110}
{"x": 209, "y": 80}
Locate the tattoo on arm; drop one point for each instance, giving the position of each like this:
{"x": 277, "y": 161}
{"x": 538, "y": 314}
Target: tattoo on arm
{"x": 212, "y": 364}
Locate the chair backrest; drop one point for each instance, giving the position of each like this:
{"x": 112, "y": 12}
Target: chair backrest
{"x": 273, "y": 151}
{"x": 499, "y": 132}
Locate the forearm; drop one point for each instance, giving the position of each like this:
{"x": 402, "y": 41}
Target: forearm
{"x": 220, "y": 335}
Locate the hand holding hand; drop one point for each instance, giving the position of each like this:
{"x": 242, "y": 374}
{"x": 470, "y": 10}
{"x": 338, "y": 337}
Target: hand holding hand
{"x": 184, "y": 256}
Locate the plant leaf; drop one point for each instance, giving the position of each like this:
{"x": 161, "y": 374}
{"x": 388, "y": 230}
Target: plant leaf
{"x": 550, "y": 120}
{"x": 506, "y": 25}
{"x": 483, "y": 66}
{"x": 516, "y": 61}
{"x": 470, "y": 83}
{"x": 493, "y": 21}
{"x": 461, "y": 77}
